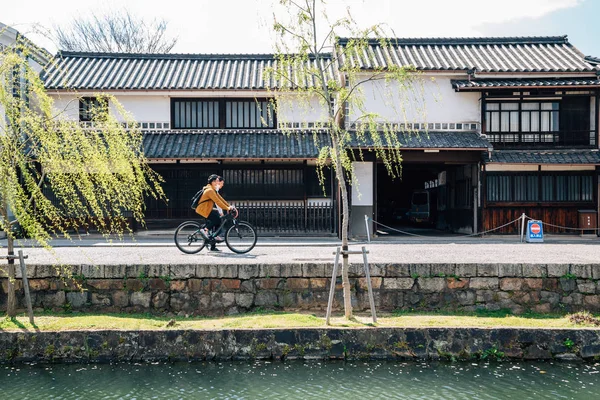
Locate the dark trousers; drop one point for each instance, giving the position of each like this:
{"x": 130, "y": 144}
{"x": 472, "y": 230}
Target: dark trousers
{"x": 213, "y": 220}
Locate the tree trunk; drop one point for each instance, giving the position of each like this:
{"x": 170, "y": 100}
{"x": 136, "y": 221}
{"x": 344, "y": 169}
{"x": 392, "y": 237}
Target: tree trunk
{"x": 339, "y": 171}
{"x": 11, "y": 304}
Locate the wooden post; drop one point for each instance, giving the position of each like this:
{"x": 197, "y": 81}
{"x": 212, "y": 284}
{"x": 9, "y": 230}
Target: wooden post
{"x": 332, "y": 286}
{"x": 26, "y": 286}
{"x": 368, "y": 277}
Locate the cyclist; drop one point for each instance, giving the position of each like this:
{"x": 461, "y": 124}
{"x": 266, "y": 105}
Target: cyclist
{"x": 209, "y": 199}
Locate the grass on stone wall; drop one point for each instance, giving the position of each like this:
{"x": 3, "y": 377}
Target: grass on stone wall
{"x": 263, "y": 319}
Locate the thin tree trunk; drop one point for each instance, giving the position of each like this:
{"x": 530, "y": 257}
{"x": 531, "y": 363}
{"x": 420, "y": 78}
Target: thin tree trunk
{"x": 339, "y": 171}
{"x": 11, "y": 304}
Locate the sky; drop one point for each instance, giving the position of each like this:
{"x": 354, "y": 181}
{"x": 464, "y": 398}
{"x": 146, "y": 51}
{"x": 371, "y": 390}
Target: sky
{"x": 245, "y": 26}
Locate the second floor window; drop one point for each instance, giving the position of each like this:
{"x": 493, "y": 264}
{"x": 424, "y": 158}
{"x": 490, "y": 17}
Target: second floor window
{"x": 86, "y": 108}
{"x": 522, "y": 117}
{"x": 223, "y": 114}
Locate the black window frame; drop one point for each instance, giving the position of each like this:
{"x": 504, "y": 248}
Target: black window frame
{"x": 538, "y": 179}
{"x": 84, "y": 107}
{"x": 223, "y": 104}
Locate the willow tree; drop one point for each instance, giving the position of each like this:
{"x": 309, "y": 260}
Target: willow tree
{"x": 315, "y": 71}
{"x": 55, "y": 175}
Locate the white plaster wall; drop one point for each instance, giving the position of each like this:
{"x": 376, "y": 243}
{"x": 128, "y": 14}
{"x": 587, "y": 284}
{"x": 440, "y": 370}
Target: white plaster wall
{"x": 362, "y": 191}
{"x": 295, "y": 109}
{"x": 435, "y": 95}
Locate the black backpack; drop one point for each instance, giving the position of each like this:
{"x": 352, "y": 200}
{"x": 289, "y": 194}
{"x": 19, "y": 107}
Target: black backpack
{"x": 196, "y": 199}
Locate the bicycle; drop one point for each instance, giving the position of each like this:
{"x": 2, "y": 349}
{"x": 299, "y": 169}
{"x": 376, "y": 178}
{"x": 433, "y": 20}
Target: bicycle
{"x": 240, "y": 237}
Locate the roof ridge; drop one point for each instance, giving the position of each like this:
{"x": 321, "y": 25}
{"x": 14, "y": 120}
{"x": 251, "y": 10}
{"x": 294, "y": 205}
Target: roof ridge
{"x": 171, "y": 56}
{"x": 468, "y": 40}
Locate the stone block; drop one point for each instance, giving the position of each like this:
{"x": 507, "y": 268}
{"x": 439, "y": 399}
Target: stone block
{"x": 182, "y": 271}
{"x": 398, "y": 283}
{"x": 231, "y": 284}
{"x": 178, "y": 286}
{"x": 207, "y": 271}
{"x": 511, "y": 284}
{"x": 550, "y": 284}
{"x": 376, "y": 269}
{"x": 595, "y": 271}
{"x": 295, "y": 270}
{"x": 105, "y": 284}
{"x": 465, "y": 297}
{"x": 92, "y": 271}
{"x": 248, "y": 286}
{"x": 46, "y": 271}
{"x": 486, "y": 296}
{"x": 534, "y": 270}
{"x": 18, "y": 284}
{"x": 319, "y": 283}
{"x": 136, "y": 271}
{"x": 483, "y": 283}
{"x": 375, "y": 283}
{"x": 36, "y": 285}
{"x": 457, "y": 283}
{"x": 487, "y": 270}
{"x": 196, "y": 285}
{"x": 420, "y": 270}
{"x": 313, "y": 270}
{"x": 101, "y": 299}
{"x": 550, "y": 297}
{"x": 244, "y": 300}
{"x": 227, "y": 299}
{"x": 268, "y": 283}
{"x": 120, "y": 298}
{"x": 77, "y": 299}
{"x": 272, "y": 271}
{"x": 297, "y": 284}
{"x": 141, "y": 299}
{"x": 160, "y": 300}
{"x": 510, "y": 270}
{"x": 248, "y": 271}
{"x": 52, "y": 300}
{"x": 157, "y": 284}
{"x": 115, "y": 271}
{"x": 443, "y": 269}
{"x": 586, "y": 286}
{"x": 431, "y": 285}
{"x": 591, "y": 303}
{"x": 180, "y": 302}
{"x": 135, "y": 285}
{"x": 557, "y": 270}
{"x": 573, "y": 299}
{"x": 543, "y": 308}
{"x": 465, "y": 270}
{"x": 567, "y": 284}
{"x": 397, "y": 270}
{"x": 159, "y": 271}
{"x": 581, "y": 270}
{"x": 533, "y": 283}
{"x": 265, "y": 299}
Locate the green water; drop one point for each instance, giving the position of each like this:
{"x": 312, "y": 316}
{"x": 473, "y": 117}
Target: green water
{"x": 303, "y": 380}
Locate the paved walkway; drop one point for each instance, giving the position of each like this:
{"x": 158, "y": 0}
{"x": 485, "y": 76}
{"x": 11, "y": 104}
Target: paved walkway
{"x": 148, "y": 248}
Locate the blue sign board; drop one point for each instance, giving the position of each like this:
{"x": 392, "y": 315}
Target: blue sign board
{"x": 535, "y": 232}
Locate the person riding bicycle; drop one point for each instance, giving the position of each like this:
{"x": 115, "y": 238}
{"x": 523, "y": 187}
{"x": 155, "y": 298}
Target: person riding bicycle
{"x": 209, "y": 199}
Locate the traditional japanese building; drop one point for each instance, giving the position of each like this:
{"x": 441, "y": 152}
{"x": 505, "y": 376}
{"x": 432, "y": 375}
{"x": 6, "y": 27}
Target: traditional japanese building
{"x": 511, "y": 127}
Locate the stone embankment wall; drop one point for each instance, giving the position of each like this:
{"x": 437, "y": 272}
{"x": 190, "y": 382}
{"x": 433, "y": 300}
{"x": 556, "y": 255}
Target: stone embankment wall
{"x": 278, "y": 344}
{"x": 205, "y": 290}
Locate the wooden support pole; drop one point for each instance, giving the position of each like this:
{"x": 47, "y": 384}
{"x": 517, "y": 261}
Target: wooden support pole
{"x": 26, "y": 286}
{"x": 368, "y": 277}
{"x": 332, "y": 286}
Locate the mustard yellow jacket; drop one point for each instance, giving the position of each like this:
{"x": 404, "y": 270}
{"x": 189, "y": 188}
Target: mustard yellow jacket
{"x": 208, "y": 200}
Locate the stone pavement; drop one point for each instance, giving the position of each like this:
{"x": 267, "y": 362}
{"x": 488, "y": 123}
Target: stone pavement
{"x": 147, "y": 248}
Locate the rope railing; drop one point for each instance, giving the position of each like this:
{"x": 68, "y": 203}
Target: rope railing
{"x": 520, "y": 220}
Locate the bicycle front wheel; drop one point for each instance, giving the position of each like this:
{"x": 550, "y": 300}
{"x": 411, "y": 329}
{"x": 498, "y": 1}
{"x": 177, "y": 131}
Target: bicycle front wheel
{"x": 188, "y": 238}
{"x": 241, "y": 237}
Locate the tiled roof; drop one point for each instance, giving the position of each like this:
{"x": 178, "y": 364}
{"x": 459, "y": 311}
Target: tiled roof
{"x": 262, "y": 144}
{"x": 513, "y": 54}
{"x": 545, "y": 157}
{"x": 117, "y": 71}
{"x": 593, "y": 60}
{"x": 518, "y": 83}
{"x": 440, "y": 140}
{"x": 217, "y": 144}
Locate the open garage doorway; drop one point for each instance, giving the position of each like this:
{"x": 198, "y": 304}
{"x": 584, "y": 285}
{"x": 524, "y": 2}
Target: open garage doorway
{"x": 429, "y": 199}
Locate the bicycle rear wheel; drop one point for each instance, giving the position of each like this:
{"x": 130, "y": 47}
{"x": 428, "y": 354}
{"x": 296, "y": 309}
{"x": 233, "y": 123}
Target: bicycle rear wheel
{"x": 241, "y": 237}
{"x": 188, "y": 239}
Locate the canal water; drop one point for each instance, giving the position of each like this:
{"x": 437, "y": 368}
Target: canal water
{"x": 303, "y": 380}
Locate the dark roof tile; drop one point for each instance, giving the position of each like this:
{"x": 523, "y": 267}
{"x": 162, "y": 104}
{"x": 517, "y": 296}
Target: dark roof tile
{"x": 590, "y": 157}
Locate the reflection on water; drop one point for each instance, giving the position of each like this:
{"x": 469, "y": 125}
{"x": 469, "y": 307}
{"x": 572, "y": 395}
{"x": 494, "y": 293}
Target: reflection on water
{"x": 303, "y": 380}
